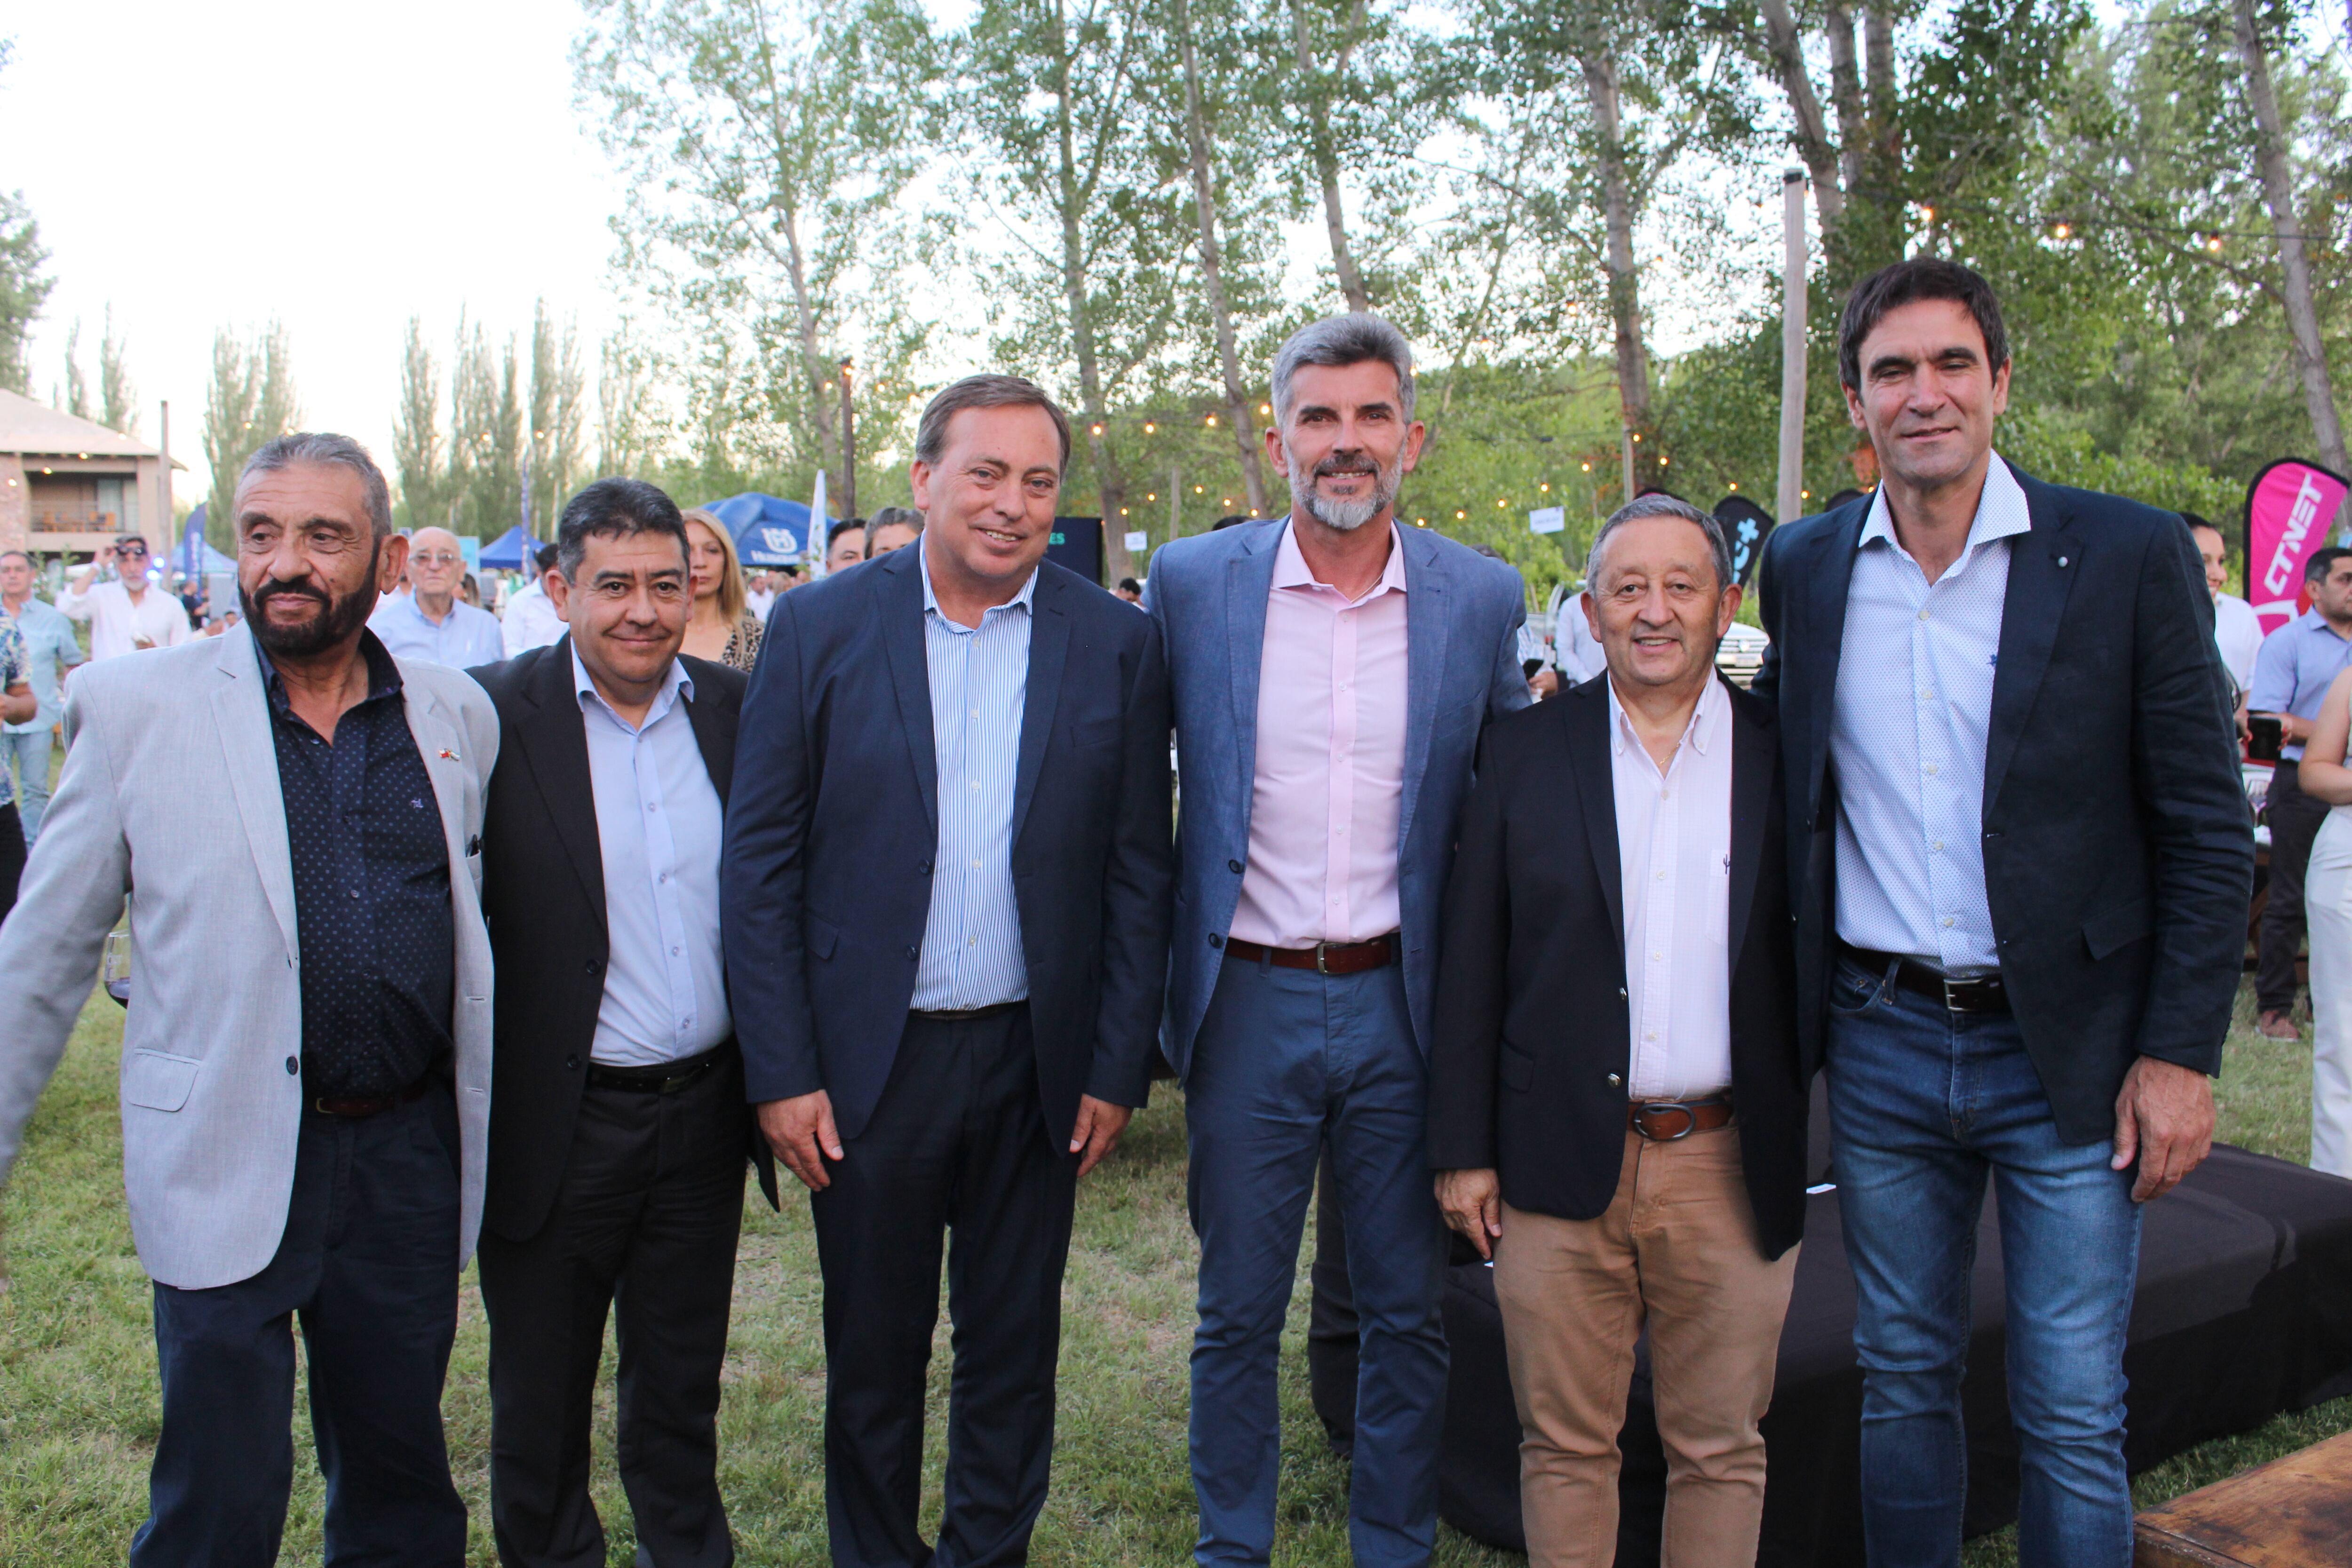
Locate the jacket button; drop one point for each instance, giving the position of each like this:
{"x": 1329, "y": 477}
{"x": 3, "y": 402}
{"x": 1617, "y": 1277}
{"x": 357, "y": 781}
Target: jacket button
{"x": 292, "y": 1067}
{"x": 595, "y": 966}
{"x": 1216, "y": 940}
{"x": 1615, "y": 1081}
{"x": 1621, "y": 990}
{"x": 911, "y": 953}
{"x": 925, "y": 867}
{"x": 572, "y": 1064}
{"x": 1235, "y": 867}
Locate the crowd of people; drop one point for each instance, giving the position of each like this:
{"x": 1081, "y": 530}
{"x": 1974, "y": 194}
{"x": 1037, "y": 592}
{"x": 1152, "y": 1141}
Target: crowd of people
{"x": 521, "y": 942}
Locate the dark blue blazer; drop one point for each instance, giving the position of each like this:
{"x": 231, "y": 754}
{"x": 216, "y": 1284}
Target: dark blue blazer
{"x": 834, "y": 823}
{"x": 2118, "y": 854}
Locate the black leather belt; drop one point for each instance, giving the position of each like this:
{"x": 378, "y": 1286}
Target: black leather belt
{"x": 355, "y": 1106}
{"x": 964, "y": 1015}
{"x": 1972, "y": 993}
{"x": 665, "y": 1077}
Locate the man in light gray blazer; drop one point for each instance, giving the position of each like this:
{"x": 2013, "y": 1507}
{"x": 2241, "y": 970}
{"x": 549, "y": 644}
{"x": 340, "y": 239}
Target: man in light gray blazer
{"x": 295, "y": 818}
{"x": 1332, "y": 671}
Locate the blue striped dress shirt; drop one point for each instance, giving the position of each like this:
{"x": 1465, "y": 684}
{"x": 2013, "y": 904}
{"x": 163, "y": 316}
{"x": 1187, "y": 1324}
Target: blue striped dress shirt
{"x": 1908, "y": 732}
{"x": 971, "y": 954}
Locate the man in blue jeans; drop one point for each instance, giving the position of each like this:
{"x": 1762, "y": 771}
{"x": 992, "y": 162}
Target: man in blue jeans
{"x": 2025, "y": 861}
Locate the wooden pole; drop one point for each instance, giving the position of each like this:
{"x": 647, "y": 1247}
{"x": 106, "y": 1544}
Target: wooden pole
{"x": 848, "y": 448}
{"x": 1792, "y": 346}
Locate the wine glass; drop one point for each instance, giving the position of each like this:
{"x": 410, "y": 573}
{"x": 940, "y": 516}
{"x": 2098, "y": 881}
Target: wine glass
{"x": 114, "y": 968}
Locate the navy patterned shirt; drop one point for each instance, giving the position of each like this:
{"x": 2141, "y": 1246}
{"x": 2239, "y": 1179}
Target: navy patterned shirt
{"x": 371, "y": 890}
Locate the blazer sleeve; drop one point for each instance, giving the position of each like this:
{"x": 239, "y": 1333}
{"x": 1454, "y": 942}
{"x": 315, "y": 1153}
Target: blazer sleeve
{"x": 72, "y": 896}
{"x": 1767, "y": 684}
{"x": 2185, "y": 766}
{"x": 762, "y": 876}
{"x": 1507, "y": 691}
{"x": 1472, "y": 981}
{"x": 1139, "y": 879}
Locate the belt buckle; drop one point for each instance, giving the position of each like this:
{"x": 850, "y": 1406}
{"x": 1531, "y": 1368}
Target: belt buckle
{"x": 1690, "y": 1121}
{"x": 1322, "y": 958}
{"x": 1951, "y": 1000}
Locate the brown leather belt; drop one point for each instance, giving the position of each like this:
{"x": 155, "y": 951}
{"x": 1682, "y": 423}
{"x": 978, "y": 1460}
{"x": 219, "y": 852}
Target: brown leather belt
{"x": 358, "y": 1105}
{"x": 1969, "y": 993}
{"x": 1665, "y": 1120}
{"x": 1324, "y": 957}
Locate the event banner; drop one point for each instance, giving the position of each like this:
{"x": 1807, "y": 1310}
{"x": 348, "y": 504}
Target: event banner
{"x": 2290, "y": 508}
{"x": 1747, "y": 525}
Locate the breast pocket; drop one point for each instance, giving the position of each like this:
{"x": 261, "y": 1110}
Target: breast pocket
{"x": 1718, "y": 901}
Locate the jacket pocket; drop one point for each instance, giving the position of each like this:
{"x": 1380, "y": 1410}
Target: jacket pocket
{"x": 2108, "y": 930}
{"x": 157, "y": 1081}
{"x": 1517, "y": 1068}
{"x": 822, "y": 936}
{"x": 1096, "y": 732}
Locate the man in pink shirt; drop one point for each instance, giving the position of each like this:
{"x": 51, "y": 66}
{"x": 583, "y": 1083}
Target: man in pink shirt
{"x": 1332, "y": 672}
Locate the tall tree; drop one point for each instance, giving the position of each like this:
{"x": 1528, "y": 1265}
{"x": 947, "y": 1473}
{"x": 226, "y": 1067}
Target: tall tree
{"x": 629, "y": 428}
{"x": 769, "y": 146}
{"x": 23, "y": 287}
{"x": 417, "y": 436}
{"x": 559, "y": 388}
{"x": 118, "y": 395}
{"x": 251, "y": 402}
{"x": 485, "y": 436}
{"x": 74, "y": 396}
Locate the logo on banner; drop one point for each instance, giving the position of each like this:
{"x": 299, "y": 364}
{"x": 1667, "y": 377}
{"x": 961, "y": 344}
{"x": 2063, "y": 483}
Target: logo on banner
{"x": 2290, "y": 507}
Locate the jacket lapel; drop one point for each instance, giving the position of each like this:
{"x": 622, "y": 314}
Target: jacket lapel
{"x": 1049, "y": 646}
{"x": 1752, "y": 759}
{"x": 897, "y": 589}
{"x": 1249, "y": 578}
{"x": 2043, "y": 566}
{"x": 1830, "y": 579}
{"x": 434, "y": 730}
{"x": 554, "y": 741}
{"x": 714, "y": 736}
{"x": 1585, "y": 712}
{"x": 1425, "y": 626}
{"x": 241, "y": 710}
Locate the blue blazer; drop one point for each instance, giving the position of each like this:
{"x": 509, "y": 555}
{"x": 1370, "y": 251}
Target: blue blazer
{"x": 2119, "y": 857}
{"x": 1463, "y": 613}
{"x": 833, "y": 822}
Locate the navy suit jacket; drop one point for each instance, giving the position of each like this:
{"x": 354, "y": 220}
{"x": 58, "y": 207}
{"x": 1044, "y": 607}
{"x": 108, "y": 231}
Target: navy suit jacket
{"x": 1463, "y": 613}
{"x": 834, "y": 824}
{"x": 2118, "y": 854}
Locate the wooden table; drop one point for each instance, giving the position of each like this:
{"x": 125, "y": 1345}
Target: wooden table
{"x": 2294, "y": 1512}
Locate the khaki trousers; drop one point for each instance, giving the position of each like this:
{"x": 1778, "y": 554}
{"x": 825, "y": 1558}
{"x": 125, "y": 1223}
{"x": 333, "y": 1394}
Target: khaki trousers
{"x": 1676, "y": 1248}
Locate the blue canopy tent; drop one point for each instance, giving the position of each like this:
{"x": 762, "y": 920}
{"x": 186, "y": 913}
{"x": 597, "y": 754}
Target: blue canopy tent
{"x": 512, "y": 550}
{"x": 768, "y": 530}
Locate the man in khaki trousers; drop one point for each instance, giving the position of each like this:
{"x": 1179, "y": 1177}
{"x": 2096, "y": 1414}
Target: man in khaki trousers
{"x": 1617, "y": 1103}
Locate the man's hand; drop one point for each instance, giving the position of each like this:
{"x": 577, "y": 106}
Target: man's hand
{"x": 2164, "y": 1119}
{"x": 1099, "y": 1125}
{"x": 1473, "y": 1204}
{"x": 801, "y": 1131}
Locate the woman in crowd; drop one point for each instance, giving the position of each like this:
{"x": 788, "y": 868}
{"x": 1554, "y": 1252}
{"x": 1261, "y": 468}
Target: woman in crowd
{"x": 723, "y": 627}
{"x": 2327, "y": 906}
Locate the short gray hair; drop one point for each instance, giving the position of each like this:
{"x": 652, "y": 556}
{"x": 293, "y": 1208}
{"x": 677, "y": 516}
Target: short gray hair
{"x": 326, "y": 446}
{"x": 1352, "y": 339}
{"x": 1660, "y": 505}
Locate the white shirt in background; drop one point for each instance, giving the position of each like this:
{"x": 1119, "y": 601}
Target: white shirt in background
{"x": 1674, "y": 851}
{"x": 2238, "y": 632}
{"x": 116, "y": 624}
{"x": 531, "y": 621}
{"x": 759, "y": 601}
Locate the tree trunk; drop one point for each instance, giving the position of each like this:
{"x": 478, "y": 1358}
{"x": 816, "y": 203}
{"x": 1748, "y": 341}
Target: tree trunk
{"x": 1204, "y": 204}
{"x": 1327, "y": 158}
{"x": 1111, "y": 483}
{"x": 1878, "y": 60}
{"x": 797, "y": 267}
{"x": 1845, "y": 92}
{"x": 1786, "y": 49}
{"x": 1600, "y": 85}
{"x": 2278, "y": 193}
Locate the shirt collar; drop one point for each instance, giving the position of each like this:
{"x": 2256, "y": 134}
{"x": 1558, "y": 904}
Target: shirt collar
{"x": 676, "y": 683}
{"x": 2001, "y": 513}
{"x": 1290, "y": 570}
{"x": 931, "y": 601}
{"x": 383, "y": 672}
{"x": 1705, "y": 720}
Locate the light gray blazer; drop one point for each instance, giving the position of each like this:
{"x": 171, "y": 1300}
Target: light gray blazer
{"x": 170, "y": 795}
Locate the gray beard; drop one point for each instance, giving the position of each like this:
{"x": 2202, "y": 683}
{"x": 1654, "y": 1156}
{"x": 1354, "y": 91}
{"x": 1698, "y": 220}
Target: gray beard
{"x": 1347, "y": 516}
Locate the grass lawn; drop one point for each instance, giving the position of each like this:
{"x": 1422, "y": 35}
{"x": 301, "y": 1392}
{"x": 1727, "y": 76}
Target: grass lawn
{"x": 78, "y": 1403}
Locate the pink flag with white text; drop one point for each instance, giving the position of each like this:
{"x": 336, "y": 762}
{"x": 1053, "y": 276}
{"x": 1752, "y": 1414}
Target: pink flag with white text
{"x": 2291, "y": 510}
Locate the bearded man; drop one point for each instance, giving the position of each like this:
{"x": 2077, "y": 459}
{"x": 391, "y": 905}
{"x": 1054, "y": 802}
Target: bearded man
{"x": 296, "y": 818}
{"x": 1332, "y": 673}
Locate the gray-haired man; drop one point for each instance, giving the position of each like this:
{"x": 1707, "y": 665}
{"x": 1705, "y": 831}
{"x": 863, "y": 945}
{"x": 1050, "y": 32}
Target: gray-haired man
{"x": 306, "y": 1060}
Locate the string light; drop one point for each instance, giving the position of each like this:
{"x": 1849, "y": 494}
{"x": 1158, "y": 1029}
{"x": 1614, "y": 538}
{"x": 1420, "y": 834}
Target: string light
{"x": 1545, "y": 488}
{"x": 1588, "y": 467}
{"x": 1212, "y": 421}
{"x": 2062, "y": 232}
{"x": 2213, "y": 243}
{"x": 1461, "y": 514}
{"x": 1149, "y": 427}
{"x": 1094, "y": 430}
{"x": 1735, "y": 484}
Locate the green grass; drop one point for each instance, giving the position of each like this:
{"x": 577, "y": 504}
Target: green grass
{"x": 78, "y": 1404}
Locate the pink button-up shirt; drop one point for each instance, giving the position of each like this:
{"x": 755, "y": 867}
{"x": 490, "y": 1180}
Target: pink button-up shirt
{"x": 1330, "y": 760}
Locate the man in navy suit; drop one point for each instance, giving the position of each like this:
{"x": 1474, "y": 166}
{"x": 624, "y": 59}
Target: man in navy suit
{"x": 945, "y": 915}
{"x": 2023, "y": 863}
{"x": 1332, "y": 672}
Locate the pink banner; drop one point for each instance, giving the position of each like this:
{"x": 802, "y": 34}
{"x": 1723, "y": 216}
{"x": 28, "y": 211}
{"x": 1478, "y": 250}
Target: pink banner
{"x": 2289, "y": 510}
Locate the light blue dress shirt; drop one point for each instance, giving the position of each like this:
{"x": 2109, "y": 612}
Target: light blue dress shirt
{"x": 1907, "y": 737}
{"x": 972, "y": 953}
{"x": 467, "y": 637}
{"x": 659, "y": 831}
{"x": 51, "y": 649}
{"x": 2296, "y": 665}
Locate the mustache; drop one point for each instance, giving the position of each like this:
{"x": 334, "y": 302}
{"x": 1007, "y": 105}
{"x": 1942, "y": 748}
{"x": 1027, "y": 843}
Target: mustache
{"x": 274, "y": 589}
{"x": 1346, "y": 463}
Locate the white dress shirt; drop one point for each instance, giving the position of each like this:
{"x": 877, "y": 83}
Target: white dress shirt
{"x": 463, "y": 638}
{"x": 972, "y": 954}
{"x": 2238, "y": 632}
{"x": 116, "y": 624}
{"x": 658, "y": 833}
{"x": 759, "y": 601}
{"x": 1907, "y": 737}
{"x": 531, "y": 621}
{"x": 1674, "y": 853}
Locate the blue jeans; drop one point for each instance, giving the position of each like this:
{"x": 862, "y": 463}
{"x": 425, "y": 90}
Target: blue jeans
{"x": 28, "y": 755}
{"x": 1286, "y": 1058}
{"x": 1924, "y": 1103}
